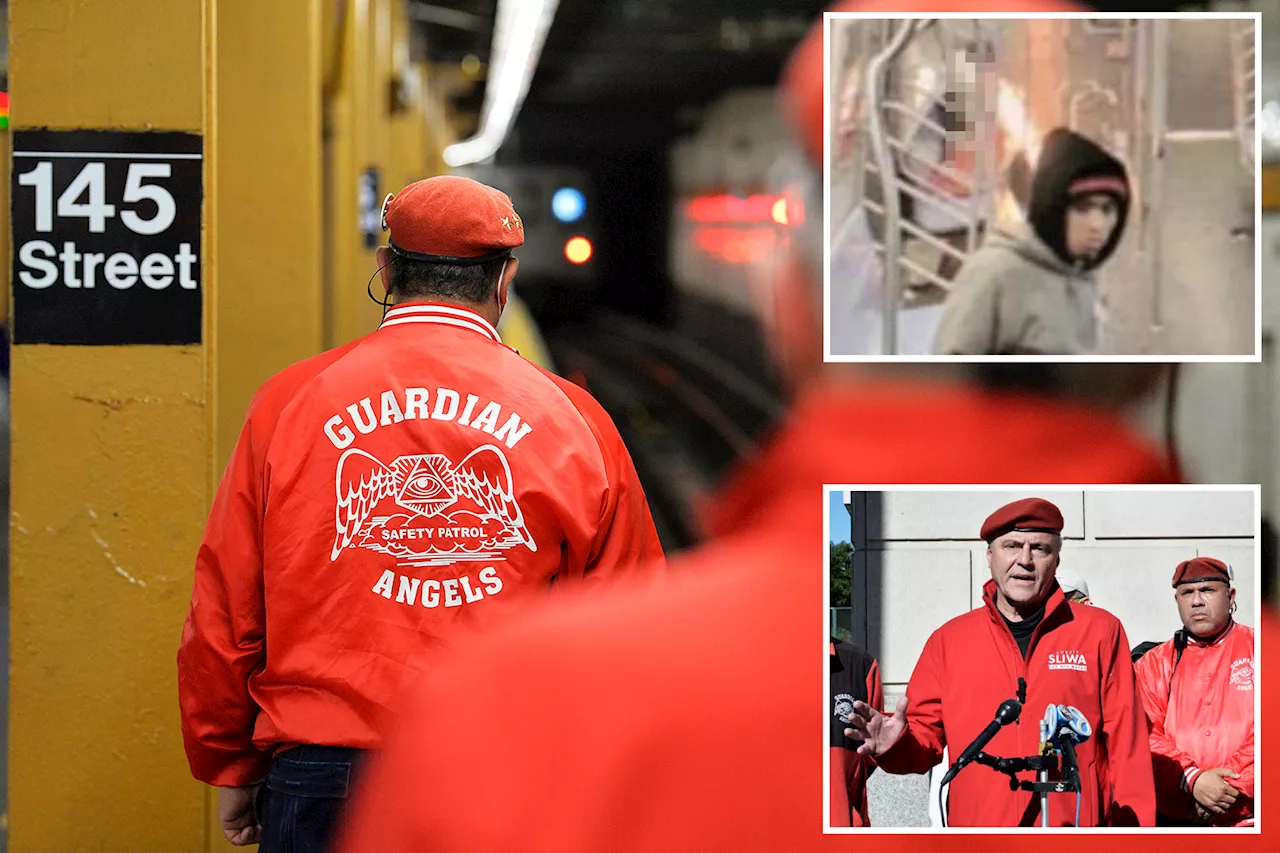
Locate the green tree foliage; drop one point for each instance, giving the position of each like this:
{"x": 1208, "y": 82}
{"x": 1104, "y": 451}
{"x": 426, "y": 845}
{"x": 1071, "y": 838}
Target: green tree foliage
{"x": 841, "y": 573}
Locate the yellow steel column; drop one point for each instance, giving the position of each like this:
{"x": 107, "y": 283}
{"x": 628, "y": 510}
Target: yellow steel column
{"x": 270, "y": 191}
{"x": 350, "y": 115}
{"x": 270, "y": 279}
{"x": 359, "y": 130}
{"x": 112, "y": 453}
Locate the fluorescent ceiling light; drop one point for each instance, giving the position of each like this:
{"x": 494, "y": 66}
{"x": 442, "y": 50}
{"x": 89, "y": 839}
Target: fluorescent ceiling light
{"x": 520, "y": 28}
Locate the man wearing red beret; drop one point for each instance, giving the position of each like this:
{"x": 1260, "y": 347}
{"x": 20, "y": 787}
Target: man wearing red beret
{"x": 1198, "y": 692}
{"x": 386, "y": 498}
{"x": 1026, "y": 642}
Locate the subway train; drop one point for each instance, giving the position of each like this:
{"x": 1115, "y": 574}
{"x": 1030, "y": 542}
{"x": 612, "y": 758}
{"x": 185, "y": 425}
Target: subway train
{"x": 738, "y": 196}
{"x": 741, "y": 165}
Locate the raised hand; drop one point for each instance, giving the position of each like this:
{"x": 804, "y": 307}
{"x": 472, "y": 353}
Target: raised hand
{"x": 877, "y": 731}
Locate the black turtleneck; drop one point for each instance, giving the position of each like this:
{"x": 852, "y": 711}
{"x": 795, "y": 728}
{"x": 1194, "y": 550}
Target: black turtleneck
{"x": 1023, "y": 630}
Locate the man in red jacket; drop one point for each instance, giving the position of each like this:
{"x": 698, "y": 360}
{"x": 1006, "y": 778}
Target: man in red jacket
{"x": 855, "y": 677}
{"x": 1198, "y": 692}
{"x": 1026, "y": 634}
{"x": 383, "y": 498}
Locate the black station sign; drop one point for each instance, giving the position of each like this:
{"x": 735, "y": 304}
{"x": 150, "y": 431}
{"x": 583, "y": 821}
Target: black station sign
{"x": 106, "y": 237}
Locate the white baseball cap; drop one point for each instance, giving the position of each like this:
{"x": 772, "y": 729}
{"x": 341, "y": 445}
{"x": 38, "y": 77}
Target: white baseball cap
{"x": 1072, "y": 582}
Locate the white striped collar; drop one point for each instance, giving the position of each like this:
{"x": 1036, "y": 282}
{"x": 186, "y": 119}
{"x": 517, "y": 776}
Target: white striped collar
{"x": 440, "y": 315}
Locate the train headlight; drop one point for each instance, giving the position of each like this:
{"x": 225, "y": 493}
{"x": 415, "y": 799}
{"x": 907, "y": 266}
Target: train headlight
{"x": 578, "y": 250}
{"x": 568, "y": 204}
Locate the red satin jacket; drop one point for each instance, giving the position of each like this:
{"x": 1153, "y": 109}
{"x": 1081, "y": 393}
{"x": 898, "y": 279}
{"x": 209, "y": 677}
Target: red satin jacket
{"x": 1079, "y": 656}
{"x": 383, "y": 498}
{"x": 855, "y": 677}
{"x": 1204, "y": 719}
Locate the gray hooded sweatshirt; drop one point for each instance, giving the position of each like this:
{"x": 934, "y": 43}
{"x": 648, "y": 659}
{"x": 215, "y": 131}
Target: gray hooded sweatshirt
{"x": 1014, "y": 295}
{"x": 1022, "y": 292}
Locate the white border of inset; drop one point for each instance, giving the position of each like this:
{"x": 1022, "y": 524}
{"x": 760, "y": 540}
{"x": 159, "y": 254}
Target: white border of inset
{"x": 828, "y": 357}
{"x": 827, "y": 829}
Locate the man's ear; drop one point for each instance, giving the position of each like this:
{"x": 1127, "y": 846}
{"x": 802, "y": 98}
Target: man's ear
{"x": 383, "y": 256}
{"x": 504, "y": 286}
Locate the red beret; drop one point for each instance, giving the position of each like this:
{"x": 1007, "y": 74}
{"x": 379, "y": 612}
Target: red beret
{"x": 1033, "y": 515}
{"x": 1201, "y": 569}
{"x": 452, "y": 220}
{"x": 802, "y": 89}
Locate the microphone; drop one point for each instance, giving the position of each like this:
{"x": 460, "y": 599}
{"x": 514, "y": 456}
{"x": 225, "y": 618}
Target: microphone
{"x": 1008, "y": 712}
{"x": 1067, "y": 726}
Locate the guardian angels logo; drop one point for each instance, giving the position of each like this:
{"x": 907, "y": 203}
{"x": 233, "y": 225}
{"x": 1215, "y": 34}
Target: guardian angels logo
{"x": 844, "y": 707}
{"x": 424, "y": 510}
{"x": 1242, "y": 673}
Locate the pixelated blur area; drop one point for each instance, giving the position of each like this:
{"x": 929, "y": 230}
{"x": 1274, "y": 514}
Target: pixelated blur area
{"x": 194, "y": 192}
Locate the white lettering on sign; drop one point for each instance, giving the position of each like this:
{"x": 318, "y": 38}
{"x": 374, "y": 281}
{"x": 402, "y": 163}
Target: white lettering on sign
{"x": 86, "y": 198}
{"x": 120, "y": 270}
{"x": 41, "y": 177}
{"x": 92, "y": 181}
{"x": 157, "y": 271}
{"x": 35, "y": 255}
{"x": 106, "y": 235}
{"x": 135, "y": 190}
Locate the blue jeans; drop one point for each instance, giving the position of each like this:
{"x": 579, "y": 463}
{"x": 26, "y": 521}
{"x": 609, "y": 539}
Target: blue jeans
{"x": 303, "y": 802}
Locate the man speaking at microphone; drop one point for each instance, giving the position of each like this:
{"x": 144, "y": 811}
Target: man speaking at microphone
{"x": 1025, "y": 637}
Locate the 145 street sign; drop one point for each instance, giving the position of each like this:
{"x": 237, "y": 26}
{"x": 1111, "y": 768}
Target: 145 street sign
{"x": 106, "y": 237}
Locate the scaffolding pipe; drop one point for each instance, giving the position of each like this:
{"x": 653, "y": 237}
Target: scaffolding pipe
{"x": 889, "y": 183}
{"x": 1158, "y": 78}
{"x": 1138, "y": 121}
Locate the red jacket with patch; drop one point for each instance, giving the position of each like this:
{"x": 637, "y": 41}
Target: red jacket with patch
{"x": 382, "y": 498}
{"x": 1079, "y": 656}
{"x": 697, "y": 726}
{"x": 1203, "y": 720}
{"x": 855, "y": 677}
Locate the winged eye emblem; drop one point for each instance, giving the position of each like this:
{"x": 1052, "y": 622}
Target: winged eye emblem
{"x": 428, "y": 485}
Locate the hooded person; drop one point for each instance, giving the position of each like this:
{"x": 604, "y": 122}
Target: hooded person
{"x": 1033, "y": 289}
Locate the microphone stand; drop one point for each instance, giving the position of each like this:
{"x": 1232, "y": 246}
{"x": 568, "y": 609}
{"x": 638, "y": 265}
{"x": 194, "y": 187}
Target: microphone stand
{"x": 1042, "y": 777}
{"x": 1043, "y": 765}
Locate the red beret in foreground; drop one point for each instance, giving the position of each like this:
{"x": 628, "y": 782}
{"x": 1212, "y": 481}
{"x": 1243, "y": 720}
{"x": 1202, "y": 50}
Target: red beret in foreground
{"x": 1028, "y": 514}
{"x": 801, "y": 91}
{"x": 452, "y": 220}
{"x": 1201, "y": 569}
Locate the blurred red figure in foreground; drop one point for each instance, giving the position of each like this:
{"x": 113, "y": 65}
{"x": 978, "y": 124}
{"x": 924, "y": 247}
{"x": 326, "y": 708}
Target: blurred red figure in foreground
{"x": 681, "y": 713}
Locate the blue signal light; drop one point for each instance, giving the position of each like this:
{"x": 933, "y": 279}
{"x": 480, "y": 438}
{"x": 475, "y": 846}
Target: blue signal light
{"x": 568, "y": 204}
